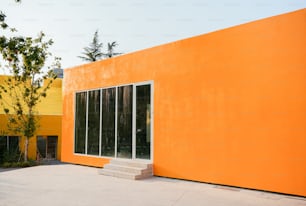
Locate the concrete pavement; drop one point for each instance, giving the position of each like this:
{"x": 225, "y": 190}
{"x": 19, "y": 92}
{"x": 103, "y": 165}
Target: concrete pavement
{"x": 65, "y": 184}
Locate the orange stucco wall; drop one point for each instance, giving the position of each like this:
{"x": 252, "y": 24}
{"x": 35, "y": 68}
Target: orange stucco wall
{"x": 229, "y": 106}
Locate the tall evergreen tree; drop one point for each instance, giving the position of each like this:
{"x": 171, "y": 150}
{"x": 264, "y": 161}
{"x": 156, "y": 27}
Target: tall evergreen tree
{"x": 93, "y": 52}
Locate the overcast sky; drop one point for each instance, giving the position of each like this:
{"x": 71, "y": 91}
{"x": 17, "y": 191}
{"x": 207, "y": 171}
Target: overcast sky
{"x": 134, "y": 24}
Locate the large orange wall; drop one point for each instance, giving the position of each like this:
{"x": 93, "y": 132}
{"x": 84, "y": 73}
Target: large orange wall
{"x": 229, "y": 106}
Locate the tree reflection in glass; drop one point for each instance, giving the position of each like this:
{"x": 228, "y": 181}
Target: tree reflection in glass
{"x": 143, "y": 121}
{"x": 108, "y": 122}
{"x": 124, "y": 121}
{"x": 93, "y": 122}
{"x": 80, "y": 122}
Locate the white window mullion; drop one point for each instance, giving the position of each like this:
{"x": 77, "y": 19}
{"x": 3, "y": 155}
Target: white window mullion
{"x": 134, "y": 124}
{"x": 100, "y": 124}
{"x": 152, "y": 120}
{"x": 116, "y": 121}
{"x": 86, "y": 135}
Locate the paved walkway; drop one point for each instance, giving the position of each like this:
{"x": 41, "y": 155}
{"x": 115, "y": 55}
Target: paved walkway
{"x": 73, "y": 185}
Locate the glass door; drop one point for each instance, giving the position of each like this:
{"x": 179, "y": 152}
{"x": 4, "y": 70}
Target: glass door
{"x": 51, "y": 147}
{"x": 41, "y": 147}
{"x": 47, "y": 147}
{"x": 143, "y": 122}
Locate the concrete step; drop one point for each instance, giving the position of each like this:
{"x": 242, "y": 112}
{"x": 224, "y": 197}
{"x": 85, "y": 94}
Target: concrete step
{"x": 133, "y": 170}
{"x": 128, "y": 169}
{"x": 132, "y": 163}
{"x": 124, "y": 175}
{"x": 114, "y": 173}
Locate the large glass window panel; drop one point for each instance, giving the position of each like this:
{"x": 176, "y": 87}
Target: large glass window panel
{"x": 52, "y": 147}
{"x": 143, "y": 121}
{"x": 3, "y": 147}
{"x": 93, "y": 135}
{"x": 3, "y": 143}
{"x": 13, "y": 143}
{"x": 124, "y": 121}
{"x": 108, "y": 122}
{"x": 9, "y": 145}
{"x": 80, "y": 122}
{"x": 41, "y": 146}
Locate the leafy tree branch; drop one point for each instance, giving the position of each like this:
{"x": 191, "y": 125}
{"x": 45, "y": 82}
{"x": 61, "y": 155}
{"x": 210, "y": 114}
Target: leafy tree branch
{"x": 28, "y": 83}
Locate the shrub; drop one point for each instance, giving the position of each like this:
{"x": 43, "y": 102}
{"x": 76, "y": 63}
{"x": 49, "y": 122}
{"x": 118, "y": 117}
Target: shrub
{"x": 7, "y": 164}
{"x": 29, "y": 163}
{"x": 11, "y": 156}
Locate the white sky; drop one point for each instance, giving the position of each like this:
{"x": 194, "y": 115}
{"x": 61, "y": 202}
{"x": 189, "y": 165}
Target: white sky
{"x": 134, "y": 24}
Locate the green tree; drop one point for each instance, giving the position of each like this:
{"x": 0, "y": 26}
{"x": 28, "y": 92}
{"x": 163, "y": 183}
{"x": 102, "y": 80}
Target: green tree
{"x": 21, "y": 92}
{"x": 110, "y": 49}
{"x": 93, "y": 52}
{"x": 3, "y": 25}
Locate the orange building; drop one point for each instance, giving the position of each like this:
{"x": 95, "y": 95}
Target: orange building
{"x": 47, "y": 142}
{"x": 226, "y": 107}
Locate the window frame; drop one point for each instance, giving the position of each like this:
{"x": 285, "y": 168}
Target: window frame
{"x": 134, "y": 85}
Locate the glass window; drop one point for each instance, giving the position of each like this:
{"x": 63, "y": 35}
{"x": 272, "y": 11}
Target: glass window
{"x": 9, "y": 145}
{"x": 80, "y": 122}
{"x": 52, "y": 147}
{"x": 41, "y": 146}
{"x": 3, "y": 147}
{"x": 124, "y": 121}
{"x": 13, "y": 143}
{"x": 3, "y": 143}
{"x": 143, "y": 121}
{"x": 108, "y": 122}
{"x": 93, "y": 122}
{"x": 105, "y": 118}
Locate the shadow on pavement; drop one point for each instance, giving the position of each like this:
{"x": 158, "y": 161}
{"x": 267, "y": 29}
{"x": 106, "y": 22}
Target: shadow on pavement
{"x": 41, "y": 163}
{"x": 10, "y": 169}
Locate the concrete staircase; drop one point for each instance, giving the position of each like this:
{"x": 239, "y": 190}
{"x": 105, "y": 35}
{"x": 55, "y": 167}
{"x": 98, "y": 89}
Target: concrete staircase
{"x": 128, "y": 169}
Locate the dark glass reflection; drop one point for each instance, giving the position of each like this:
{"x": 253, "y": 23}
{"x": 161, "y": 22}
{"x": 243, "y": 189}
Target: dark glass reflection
{"x": 108, "y": 122}
{"x": 3, "y": 147}
{"x": 41, "y": 146}
{"x": 124, "y": 121}
{"x": 8, "y": 145}
{"x": 80, "y": 123}
{"x": 3, "y": 143}
{"x": 93, "y": 135}
{"x": 143, "y": 121}
{"x": 52, "y": 147}
{"x": 13, "y": 143}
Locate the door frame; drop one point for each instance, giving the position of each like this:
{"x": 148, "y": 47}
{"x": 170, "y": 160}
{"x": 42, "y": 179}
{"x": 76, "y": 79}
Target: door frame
{"x": 135, "y": 85}
{"x": 46, "y": 145}
{"x": 133, "y": 156}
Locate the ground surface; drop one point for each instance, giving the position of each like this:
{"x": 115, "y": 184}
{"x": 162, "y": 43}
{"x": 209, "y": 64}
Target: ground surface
{"x": 72, "y": 185}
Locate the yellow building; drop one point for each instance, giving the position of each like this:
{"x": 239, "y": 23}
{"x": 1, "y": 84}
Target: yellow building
{"x": 47, "y": 142}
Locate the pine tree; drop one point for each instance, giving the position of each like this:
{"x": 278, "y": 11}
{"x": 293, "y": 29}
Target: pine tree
{"x": 93, "y": 52}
